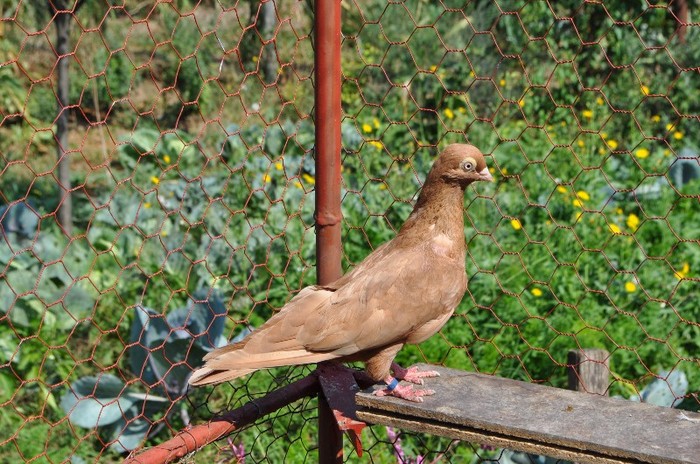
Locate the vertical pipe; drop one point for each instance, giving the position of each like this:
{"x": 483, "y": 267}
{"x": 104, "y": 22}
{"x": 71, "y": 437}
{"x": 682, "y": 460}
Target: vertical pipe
{"x": 327, "y": 115}
{"x": 327, "y": 125}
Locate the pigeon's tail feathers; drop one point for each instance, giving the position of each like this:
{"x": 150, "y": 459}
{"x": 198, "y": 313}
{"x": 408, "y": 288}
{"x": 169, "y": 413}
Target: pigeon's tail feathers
{"x": 230, "y": 362}
{"x": 206, "y": 376}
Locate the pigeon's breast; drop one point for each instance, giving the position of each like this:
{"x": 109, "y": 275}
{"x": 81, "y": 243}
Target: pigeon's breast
{"x": 442, "y": 245}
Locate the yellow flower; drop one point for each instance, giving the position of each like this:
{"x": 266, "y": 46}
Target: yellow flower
{"x": 164, "y": 233}
{"x": 667, "y": 152}
{"x": 462, "y": 110}
{"x": 147, "y": 205}
{"x": 632, "y": 221}
{"x": 678, "y": 135}
{"x": 588, "y": 114}
{"x": 615, "y": 229}
{"x": 577, "y": 216}
{"x": 471, "y": 74}
{"x": 561, "y": 189}
{"x": 581, "y": 143}
{"x": 267, "y": 178}
{"x": 375, "y": 123}
{"x": 600, "y": 101}
{"x": 641, "y": 153}
{"x": 155, "y": 180}
{"x": 583, "y": 195}
{"x": 433, "y": 68}
{"x": 255, "y": 59}
{"x": 612, "y": 143}
{"x": 376, "y": 144}
{"x": 516, "y": 224}
{"x": 603, "y": 135}
{"x": 670, "y": 126}
{"x": 309, "y": 179}
{"x": 630, "y": 287}
{"x": 366, "y": 128}
{"x": 521, "y": 103}
{"x": 449, "y": 114}
{"x": 536, "y": 292}
{"x": 577, "y": 203}
{"x": 502, "y": 82}
{"x": 656, "y": 118}
{"x": 492, "y": 170}
{"x": 645, "y": 90}
{"x": 166, "y": 158}
{"x": 279, "y": 166}
{"x": 382, "y": 186}
{"x": 298, "y": 185}
{"x": 683, "y": 273}
{"x": 618, "y": 210}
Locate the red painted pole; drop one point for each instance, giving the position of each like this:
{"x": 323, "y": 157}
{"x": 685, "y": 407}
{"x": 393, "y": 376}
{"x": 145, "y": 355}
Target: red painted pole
{"x": 327, "y": 116}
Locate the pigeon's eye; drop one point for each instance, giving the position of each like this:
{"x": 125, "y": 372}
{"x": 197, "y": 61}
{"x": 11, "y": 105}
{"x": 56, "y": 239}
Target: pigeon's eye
{"x": 468, "y": 164}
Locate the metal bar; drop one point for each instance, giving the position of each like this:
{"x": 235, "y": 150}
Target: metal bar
{"x": 190, "y": 440}
{"x": 339, "y": 387}
{"x": 327, "y": 116}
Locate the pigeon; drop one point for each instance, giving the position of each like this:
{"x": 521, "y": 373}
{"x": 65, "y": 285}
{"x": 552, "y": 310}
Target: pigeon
{"x": 403, "y": 292}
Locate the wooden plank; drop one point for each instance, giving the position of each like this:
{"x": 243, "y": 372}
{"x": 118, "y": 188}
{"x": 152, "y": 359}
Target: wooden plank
{"x": 483, "y": 437}
{"x": 589, "y": 371}
{"x": 540, "y": 419}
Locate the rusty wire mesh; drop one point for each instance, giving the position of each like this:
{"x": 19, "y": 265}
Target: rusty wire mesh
{"x": 189, "y": 147}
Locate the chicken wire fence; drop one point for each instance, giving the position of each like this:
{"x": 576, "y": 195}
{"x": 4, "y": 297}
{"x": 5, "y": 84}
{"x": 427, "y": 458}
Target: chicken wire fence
{"x": 157, "y": 186}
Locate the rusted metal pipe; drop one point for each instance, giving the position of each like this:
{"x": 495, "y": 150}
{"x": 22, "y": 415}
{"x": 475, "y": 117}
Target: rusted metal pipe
{"x": 327, "y": 116}
{"x": 192, "y": 439}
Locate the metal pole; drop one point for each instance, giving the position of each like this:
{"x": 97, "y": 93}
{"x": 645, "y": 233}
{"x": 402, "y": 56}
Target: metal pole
{"x": 327, "y": 123}
{"x": 327, "y": 115}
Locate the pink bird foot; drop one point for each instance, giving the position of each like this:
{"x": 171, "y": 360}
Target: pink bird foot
{"x": 412, "y": 374}
{"x": 406, "y": 392}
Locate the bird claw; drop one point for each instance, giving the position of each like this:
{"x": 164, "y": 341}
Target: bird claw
{"x": 406, "y": 392}
{"x": 412, "y": 374}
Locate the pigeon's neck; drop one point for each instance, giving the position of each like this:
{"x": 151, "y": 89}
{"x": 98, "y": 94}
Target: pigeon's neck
{"x": 439, "y": 210}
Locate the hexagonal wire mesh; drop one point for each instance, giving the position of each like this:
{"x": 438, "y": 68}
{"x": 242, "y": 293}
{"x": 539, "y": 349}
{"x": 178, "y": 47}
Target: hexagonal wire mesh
{"x": 185, "y": 139}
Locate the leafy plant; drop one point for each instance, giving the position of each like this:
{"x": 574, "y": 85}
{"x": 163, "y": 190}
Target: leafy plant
{"x": 162, "y": 352}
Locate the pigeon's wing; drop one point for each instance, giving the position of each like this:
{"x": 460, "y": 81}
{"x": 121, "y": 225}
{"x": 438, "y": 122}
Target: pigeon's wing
{"x": 387, "y": 303}
{"x": 273, "y": 344}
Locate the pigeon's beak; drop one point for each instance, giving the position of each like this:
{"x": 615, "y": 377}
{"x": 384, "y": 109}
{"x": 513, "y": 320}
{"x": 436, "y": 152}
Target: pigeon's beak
{"x": 484, "y": 174}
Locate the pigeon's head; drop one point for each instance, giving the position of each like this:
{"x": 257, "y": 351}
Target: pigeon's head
{"x": 463, "y": 164}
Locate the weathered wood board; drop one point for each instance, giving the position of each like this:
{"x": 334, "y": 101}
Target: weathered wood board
{"x": 539, "y": 419}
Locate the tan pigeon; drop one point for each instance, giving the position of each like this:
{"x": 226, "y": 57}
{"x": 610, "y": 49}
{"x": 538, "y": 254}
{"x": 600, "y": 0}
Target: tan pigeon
{"x": 403, "y": 292}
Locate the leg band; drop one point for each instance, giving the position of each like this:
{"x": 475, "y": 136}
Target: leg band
{"x": 391, "y": 386}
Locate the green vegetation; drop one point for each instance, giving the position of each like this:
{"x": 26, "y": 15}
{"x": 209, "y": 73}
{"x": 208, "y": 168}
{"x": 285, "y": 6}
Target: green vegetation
{"x": 192, "y": 174}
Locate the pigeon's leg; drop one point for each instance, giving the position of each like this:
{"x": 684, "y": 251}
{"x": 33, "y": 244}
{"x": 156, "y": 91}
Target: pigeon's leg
{"x": 406, "y": 392}
{"x": 379, "y": 367}
{"x": 412, "y": 374}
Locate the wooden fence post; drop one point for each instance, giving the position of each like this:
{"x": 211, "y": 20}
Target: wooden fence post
{"x": 589, "y": 371}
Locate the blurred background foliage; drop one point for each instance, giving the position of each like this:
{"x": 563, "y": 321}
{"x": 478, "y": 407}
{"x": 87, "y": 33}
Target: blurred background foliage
{"x": 191, "y": 154}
